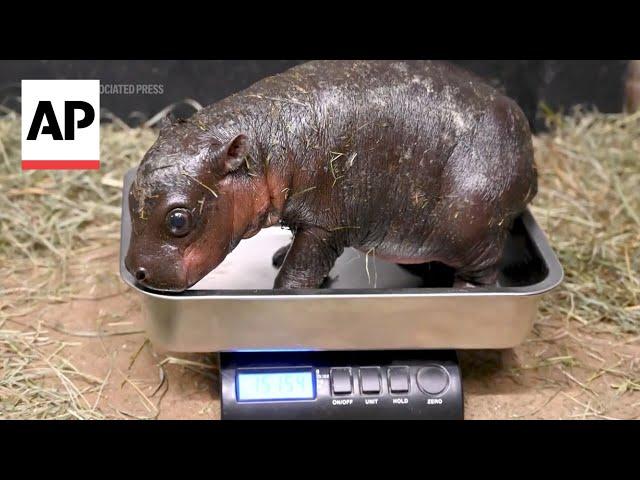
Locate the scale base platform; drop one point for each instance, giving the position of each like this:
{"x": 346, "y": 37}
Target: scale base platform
{"x": 361, "y": 385}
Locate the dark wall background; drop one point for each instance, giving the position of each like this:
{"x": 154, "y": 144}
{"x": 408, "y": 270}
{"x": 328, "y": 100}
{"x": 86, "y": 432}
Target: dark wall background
{"x": 558, "y": 83}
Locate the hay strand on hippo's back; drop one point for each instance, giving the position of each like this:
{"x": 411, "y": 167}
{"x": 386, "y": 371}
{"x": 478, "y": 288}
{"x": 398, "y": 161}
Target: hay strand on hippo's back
{"x": 589, "y": 205}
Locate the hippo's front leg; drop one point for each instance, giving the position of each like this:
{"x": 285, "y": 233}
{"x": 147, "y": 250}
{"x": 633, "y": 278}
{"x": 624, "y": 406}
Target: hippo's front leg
{"x": 309, "y": 260}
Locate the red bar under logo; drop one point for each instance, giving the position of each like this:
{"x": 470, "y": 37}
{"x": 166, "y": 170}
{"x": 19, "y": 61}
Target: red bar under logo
{"x": 60, "y": 164}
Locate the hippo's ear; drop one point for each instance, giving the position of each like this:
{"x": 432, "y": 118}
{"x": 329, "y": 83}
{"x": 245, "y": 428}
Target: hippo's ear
{"x": 166, "y": 122}
{"x": 234, "y": 153}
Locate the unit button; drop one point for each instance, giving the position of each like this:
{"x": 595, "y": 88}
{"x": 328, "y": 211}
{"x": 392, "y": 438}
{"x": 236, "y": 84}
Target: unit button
{"x": 370, "y": 379}
{"x": 399, "y": 379}
{"x": 433, "y": 380}
{"x": 341, "y": 380}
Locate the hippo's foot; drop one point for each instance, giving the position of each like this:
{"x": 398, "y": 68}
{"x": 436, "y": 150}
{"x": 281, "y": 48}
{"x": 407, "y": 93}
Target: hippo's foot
{"x": 278, "y": 258}
{"x": 486, "y": 277}
{"x": 433, "y": 274}
{"x": 458, "y": 284}
{"x": 328, "y": 282}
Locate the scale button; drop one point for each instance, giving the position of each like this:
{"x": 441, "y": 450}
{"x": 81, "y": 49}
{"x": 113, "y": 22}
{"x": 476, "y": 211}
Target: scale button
{"x": 433, "y": 380}
{"x": 370, "y": 379}
{"x": 399, "y": 379}
{"x": 341, "y": 380}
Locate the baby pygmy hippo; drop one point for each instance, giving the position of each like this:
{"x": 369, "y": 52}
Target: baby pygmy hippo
{"x": 411, "y": 161}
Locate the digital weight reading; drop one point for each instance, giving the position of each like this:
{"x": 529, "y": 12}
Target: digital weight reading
{"x": 275, "y": 385}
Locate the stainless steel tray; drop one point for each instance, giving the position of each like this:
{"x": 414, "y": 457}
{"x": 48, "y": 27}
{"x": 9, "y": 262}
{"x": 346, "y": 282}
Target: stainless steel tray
{"x": 369, "y": 305}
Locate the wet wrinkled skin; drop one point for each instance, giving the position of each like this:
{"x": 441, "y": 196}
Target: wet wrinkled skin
{"x": 412, "y": 162}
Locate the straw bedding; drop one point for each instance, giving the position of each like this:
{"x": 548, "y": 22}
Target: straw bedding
{"x": 51, "y": 222}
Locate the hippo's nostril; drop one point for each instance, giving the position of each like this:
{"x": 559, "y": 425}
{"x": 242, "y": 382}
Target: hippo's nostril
{"x": 141, "y": 274}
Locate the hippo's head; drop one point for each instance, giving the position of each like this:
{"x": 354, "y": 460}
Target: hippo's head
{"x": 192, "y": 201}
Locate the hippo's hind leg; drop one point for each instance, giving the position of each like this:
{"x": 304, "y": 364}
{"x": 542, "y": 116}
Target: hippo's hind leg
{"x": 475, "y": 238}
{"x": 483, "y": 265}
{"x": 309, "y": 260}
{"x": 478, "y": 278}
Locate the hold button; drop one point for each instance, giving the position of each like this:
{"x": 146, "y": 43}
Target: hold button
{"x": 398, "y": 379}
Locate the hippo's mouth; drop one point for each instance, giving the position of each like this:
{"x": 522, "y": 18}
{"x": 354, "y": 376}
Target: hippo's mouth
{"x": 165, "y": 290}
{"x": 197, "y": 264}
{"x": 152, "y": 282}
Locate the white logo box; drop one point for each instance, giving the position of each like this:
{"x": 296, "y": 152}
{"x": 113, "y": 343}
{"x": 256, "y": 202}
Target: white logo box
{"x": 83, "y": 152}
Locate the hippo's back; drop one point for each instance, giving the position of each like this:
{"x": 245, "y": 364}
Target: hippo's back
{"x": 432, "y": 108}
{"x": 360, "y": 75}
{"x": 407, "y": 121}
{"x": 417, "y": 95}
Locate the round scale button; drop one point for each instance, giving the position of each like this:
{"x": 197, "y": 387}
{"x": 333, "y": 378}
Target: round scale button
{"x": 433, "y": 380}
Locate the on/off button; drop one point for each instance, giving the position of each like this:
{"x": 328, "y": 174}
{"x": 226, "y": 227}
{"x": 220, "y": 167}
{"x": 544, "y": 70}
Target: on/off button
{"x": 341, "y": 381}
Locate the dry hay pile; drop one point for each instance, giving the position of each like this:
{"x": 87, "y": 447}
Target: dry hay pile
{"x": 589, "y": 205}
{"x": 54, "y": 229}
{"x": 54, "y": 226}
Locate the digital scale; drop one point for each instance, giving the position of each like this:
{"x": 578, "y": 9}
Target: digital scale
{"x": 378, "y": 343}
{"x": 341, "y": 385}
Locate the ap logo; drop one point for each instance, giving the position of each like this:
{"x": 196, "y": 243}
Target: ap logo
{"x": 60, "y": 124}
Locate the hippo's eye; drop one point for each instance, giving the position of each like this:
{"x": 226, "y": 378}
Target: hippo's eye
{"x": 179, "y": 222}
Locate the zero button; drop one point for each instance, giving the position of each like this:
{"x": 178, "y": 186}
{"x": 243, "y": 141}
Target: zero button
{"x": 433, "y": 380}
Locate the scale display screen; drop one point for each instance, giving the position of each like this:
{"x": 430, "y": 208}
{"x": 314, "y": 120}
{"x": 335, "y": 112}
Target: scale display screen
{"x": 275, "y": 385}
